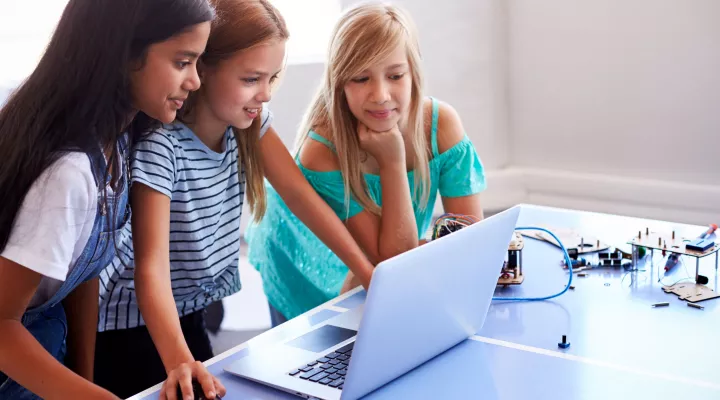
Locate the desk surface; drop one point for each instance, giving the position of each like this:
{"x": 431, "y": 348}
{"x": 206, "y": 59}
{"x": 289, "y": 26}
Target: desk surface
{"x": 621, "y": 347}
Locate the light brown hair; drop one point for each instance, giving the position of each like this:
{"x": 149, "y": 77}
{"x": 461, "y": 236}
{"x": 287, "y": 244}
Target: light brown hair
{"x": 240, "y": 25}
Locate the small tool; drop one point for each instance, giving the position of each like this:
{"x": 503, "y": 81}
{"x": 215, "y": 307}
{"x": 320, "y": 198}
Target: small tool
{"x": 564, "y": 344}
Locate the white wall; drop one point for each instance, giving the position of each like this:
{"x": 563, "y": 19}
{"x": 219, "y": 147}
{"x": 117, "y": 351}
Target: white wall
{"x": 290, "y": 101}
{"x": 603, "y": 105}
{"x": 623, "y": 92}
{"x": 639, "y": 79}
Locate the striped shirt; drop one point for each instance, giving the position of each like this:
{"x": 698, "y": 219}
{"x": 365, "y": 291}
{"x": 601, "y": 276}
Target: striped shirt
{"x": 206, "y": 197}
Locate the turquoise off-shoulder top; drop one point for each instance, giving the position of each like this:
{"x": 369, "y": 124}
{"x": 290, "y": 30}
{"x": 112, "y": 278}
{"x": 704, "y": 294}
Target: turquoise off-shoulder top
{"x": 298, "y": 271}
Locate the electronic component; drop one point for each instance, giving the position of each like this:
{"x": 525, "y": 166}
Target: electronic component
{"x": 449, "y": 223}
{"x": 573, "y": 253}
{"x": 677, "y": 246}
{"x": 699, "y": 244}
{"x": 564, "y": 344}
{"x": 511, "y": 271}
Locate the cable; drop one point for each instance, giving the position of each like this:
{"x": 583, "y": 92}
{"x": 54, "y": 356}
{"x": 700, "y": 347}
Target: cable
{"x": 567, "y": 261}
{"x": 460, "y": 220}
{"x": 687, "y": 273}
{"x": 451, "y": 222}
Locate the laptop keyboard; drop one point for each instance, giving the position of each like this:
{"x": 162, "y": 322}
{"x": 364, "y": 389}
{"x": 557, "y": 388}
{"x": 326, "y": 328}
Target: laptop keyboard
{"x": 329, "y": 370}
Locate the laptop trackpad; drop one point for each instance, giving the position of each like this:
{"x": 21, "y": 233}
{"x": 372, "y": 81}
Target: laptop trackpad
{"x": 322, "y": 338}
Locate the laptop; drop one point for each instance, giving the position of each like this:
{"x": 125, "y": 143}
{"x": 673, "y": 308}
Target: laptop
{"x": 419, "y": 304}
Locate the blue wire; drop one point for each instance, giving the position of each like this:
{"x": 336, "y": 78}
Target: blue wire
{"x": 567, "y": 261}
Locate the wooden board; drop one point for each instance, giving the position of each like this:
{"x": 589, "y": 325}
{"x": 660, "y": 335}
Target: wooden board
{"x": 664, "y": 241}
{"x": 692, "y": 292}
{"x": 570, "y": 238}
{"x": 511, "y": 280}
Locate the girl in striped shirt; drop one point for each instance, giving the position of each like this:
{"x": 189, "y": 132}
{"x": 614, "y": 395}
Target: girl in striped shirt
{"x": 189, "y": 179}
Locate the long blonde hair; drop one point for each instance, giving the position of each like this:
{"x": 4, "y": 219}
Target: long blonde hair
{"x": 241, "y": 25}
{"x": 366, "y": 35}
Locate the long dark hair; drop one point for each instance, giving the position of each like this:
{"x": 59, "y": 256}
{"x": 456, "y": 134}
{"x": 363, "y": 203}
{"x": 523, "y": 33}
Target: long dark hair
{"x": 78, "y": 97}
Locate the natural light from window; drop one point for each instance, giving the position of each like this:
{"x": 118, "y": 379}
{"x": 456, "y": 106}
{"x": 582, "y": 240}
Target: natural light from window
{"x": 310, "y": 23}
{"x": 27, "y": 25}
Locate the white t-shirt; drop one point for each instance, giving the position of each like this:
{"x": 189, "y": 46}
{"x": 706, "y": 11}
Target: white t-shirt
{"x": 54, "y": 223}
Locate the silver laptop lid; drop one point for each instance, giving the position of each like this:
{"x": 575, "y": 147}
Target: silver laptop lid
{"x": 424, "y": 301}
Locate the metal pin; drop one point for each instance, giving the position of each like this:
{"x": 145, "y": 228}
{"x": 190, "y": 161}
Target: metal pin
{"x": 693, "y": 305}
{"x": 647, "y": 231}
{"x": 665, "y": 304}
{"x": 639, "y": 234}
{"x": 673, "y": 235}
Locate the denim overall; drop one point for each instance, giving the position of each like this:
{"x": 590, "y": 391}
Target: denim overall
{"x": 47, "y": 322}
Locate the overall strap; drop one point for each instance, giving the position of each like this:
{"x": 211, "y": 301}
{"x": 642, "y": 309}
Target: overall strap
{"x": 98, "y": 165}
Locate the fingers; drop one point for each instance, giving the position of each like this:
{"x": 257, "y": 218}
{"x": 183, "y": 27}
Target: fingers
{"x": 219, "y": 387}
{"x": 185, "y": 382}
{"x": 363, "y": 129}
{"x": 178, "y": 383}
{"x": 206, "y": 380}
{"x": 163, "y": 396}
{"x": 395, "y": 130}
{"x": 351, "y": 282}
{"x": 347, "y": 284}
{"x": 170, "y": 389}
{"x": 363, "y": 132}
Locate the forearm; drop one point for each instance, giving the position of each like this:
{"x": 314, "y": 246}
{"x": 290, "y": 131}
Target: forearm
{"x": 307, "y": 205}
{"x": 81, "y": 308}
{"x": 398, "y": 230}
{"x": 157, "y": 306}
{"x": 464, "y": 205}
{"x": 24, "y": 360}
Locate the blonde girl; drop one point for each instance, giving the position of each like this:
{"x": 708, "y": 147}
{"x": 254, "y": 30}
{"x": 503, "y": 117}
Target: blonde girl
{"x": 378, "y": 151}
